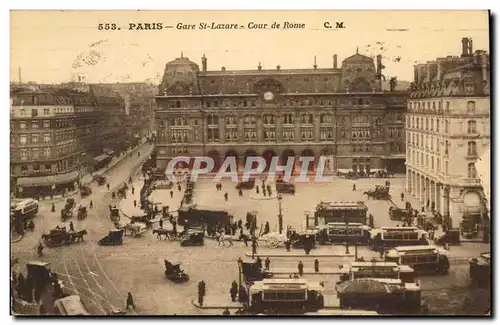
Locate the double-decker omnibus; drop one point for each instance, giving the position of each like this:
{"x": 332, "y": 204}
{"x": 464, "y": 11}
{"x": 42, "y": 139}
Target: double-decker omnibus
{"x": 386, "y": 237}
{"x": 377, "y": 270}
{"x": 421, "y": 258}
{"x": 327, "y": 212}
{"x": 338, "y": 232}
{"x": 289, "y": 296}
{"x": 24, "y": 209}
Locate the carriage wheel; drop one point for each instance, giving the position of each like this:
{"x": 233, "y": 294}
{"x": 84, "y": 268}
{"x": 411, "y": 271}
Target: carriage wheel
{"x": 273, "y": 243}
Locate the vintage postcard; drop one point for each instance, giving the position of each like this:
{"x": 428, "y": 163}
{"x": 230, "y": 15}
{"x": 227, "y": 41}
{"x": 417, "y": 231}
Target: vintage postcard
{"x": 324, "y": 163}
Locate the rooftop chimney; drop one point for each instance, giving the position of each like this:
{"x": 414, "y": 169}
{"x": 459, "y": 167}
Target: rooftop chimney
{"x": 466, "y": 46}
{"x": 439, "y": 70}
{"x": 259, "y": 67}
{"x": 278, "y": 67}
{"x": 204, "y": 63}
{"x": 335, "y": 61}
{"x": 223, "y": 69}
{"x": 315, "y": 66}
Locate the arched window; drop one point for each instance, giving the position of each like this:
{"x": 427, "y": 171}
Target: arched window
{"x": 471, "y": 127}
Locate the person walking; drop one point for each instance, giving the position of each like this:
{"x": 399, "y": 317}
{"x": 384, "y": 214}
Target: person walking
{"x": 161, "y": 223}
{"x": 300, "y": 267}
{"x": 71, "y": 226}
{"x": 233, "y": 291}
{"x": 254, "y": 246}
{"x": 171, "y": 194}
{"x": 107, "y": 185}
{"x": 53, "y": 207}
{"x": 316, "y": 265}
{"x": 402, "y": 196}
{"x": 135, "y": 203}
{"x": 130, "y": 301}
{"x": 91, "y": 204}
{"x": 225, "y": 196}
{"x": 40, "y": 249}
{"x": 354, "y": 187}
{"x": 287, "y": 245}
{"x": 267, "y": 263}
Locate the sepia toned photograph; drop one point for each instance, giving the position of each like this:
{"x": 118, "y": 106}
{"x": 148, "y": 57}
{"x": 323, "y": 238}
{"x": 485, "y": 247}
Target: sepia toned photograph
{"x": 249, "y": 163}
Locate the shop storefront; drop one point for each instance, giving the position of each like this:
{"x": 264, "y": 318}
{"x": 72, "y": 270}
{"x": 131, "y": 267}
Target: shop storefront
{"x": 42, "y": 186}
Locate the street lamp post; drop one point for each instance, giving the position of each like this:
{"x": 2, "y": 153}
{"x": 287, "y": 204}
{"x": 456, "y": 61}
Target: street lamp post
{"x": 240, "y": 262}
{"x": 280, "y": 215}
{"x": 346, "y": 235}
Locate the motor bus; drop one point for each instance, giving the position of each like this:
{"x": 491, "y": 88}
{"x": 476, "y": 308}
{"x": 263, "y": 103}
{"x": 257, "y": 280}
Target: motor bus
{"x": 423, "y": 259}
{"x": 70, "y": 306}
{"x": 286, "y": 296}
{"x": 26, "y": 208}
{"x": 377, "y": 270}
{"x": 338, "y": 232}
{"x": 480, "y": 270}
{"x": 386, "y": 237}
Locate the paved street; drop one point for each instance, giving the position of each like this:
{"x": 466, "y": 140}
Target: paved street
{"x": 104, "y": 275}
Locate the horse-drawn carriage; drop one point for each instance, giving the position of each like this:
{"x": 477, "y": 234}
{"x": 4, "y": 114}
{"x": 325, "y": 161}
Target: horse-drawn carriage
{"x": 193, "y": 238}
{"x": 115, "y": 237}
{"x": 379, "y": 193}
{"x": 114, "y": 213}
{"x": 85, "y": 190}
{"x": 60, "y": 236}
{"x": 273, "y": 239}
{"x": 135, "y": 229}
{"x": 101, "y": 180}
{"x": 285, "y": 187}
{"x": 305, "y": 240}
{"x": 144, "y": 219}
{"x": 246, "y": 185}
{"x": 174, "y": 273}
{"x": 82, "y": 212}
{"x": 67, "y": 211}
{"x": 398, "y": 214}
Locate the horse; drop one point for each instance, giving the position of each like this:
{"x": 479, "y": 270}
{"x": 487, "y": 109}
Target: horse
{"x": 223, "y": 238}
{"x": 169, "y": 234}
{"x": 77, "y": 236}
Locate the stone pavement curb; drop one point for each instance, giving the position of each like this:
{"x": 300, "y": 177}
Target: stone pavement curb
{"x": 298, "y": 255}
{"x": 235, "y": 305}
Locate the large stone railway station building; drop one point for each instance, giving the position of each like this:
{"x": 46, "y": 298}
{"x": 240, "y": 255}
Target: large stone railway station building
{"x": 338, "y": 112}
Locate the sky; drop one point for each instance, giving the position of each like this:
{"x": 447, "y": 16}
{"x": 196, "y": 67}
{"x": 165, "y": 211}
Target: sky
{"x": 59, "y": 46}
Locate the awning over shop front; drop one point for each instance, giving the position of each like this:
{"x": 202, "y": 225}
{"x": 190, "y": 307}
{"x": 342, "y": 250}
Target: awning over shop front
{"x": 101, "y": 158}
{"x": 47, "y": 180}
{"x": 109, "y": 152}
